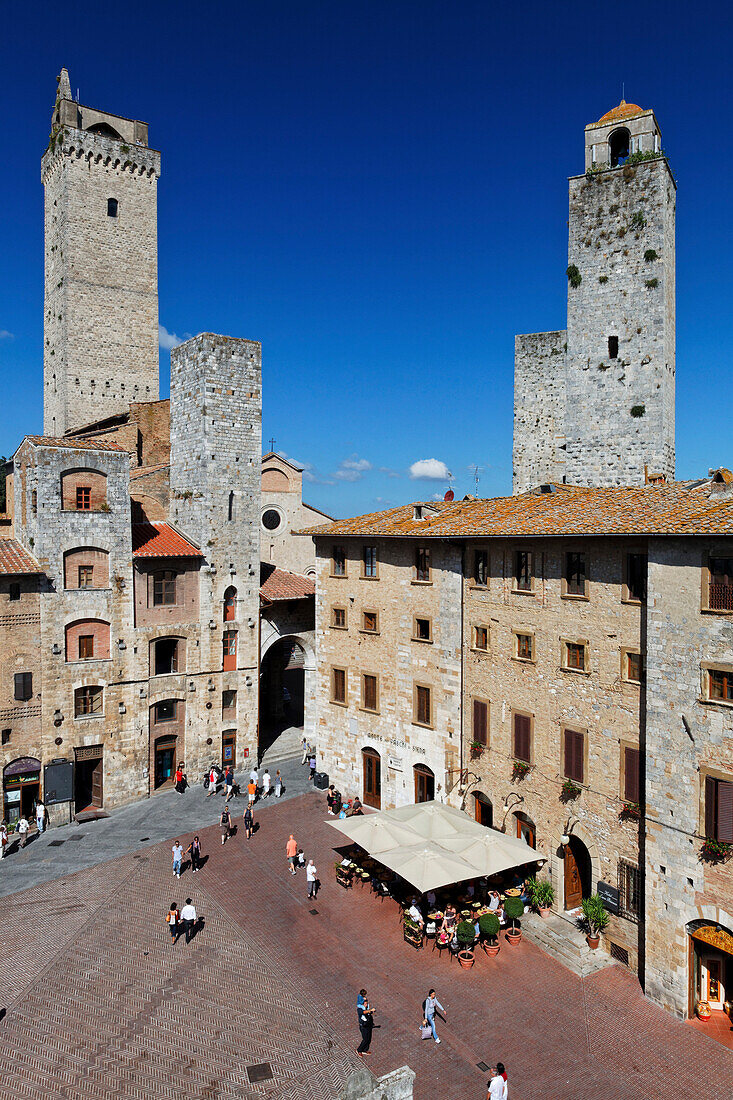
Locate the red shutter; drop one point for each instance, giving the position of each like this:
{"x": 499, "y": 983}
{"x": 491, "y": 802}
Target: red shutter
{"x": 521, "y": 737}
{"x": 725, "y": 812}
{"x": 631, "y": 775}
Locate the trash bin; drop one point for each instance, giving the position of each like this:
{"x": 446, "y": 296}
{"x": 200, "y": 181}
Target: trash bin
{"x": 320, "y": 780}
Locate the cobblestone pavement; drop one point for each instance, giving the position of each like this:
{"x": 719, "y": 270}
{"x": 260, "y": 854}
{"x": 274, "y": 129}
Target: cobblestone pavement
{"x": 100, "y": 1004}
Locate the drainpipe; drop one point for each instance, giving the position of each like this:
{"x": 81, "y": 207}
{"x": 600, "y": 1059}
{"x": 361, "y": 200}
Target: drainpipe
{"x": 462, "y": 651}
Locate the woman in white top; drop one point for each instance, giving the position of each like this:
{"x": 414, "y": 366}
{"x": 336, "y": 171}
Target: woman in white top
{"x": 311, "y": 875}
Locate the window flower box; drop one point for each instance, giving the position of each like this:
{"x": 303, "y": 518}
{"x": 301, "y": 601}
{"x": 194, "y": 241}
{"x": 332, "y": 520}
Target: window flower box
{"x": 477, "y": 749}
{"x": 631, "y": 811}
{"x": 520, "y": 768}
{"x": 715, "y": 851}
{"x": 569, "y": 791}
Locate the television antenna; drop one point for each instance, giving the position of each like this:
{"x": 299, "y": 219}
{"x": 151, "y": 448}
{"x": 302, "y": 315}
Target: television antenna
{"x": 476, "y": 478}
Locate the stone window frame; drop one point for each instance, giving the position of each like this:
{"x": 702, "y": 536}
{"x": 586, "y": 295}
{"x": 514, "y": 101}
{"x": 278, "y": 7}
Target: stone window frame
{"x": 624, "y": 744}
{"x": 426, "y": 619}
{"x": 713, "y": 551}
{"x": 520, "y": 712}
{"x": 231, "y": 709}
{"x": 427, "y": 551}
{"x": 179, "y": 658}
{"x": 91, "y": 715}
{"x": 626, "y": 870}
{"x": 430, "y": 724}
{"x": 473, "y": 582}
{"x": 153, "y": 575}
{"x": 362, "y": 694}
{"x": 342, "y": 547}
{"x": 514, "y": 574}
{"x": 337, "y": 626}
{"x": 708, "y": 771}
{"x": 487, "y": 704}
{"x": 706, "y": 667}
{"x": 476, "y": 648}
{"x": 625, "y": 597}
{"x": 583, "y": 596}
{"x": 564, "y": 667}
{"x": 571, "y": 727}
{"x": 332, "y": 686}
{"x": 518, "y": 632}
{"x": 364, "y": 576}
{"x": 94, "y": 564}
{"x": 369, "y": 611}
{"x": 625, "y": 651}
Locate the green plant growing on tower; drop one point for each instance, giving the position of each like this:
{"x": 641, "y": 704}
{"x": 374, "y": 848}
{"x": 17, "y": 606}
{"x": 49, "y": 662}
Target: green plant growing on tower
{"x": 639, "y": 158}
{"x": 602, "y": 279}
{"x": 638, "y": 410}
{"x": 650, "y": 255}
{"x": 574, "y": 276}
{"x": 638, "y": 221}
{"x": 651, "y": 284}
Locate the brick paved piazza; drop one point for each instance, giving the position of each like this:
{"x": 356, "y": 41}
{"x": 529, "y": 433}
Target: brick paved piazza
{"x": 101, "y": 1004}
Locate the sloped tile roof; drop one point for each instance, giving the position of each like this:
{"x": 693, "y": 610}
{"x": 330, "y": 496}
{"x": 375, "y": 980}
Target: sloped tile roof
{"x": 15, "y": 560}
{"x": 160, "y": 540}
{"x": 74, "y": 444}
{"x": 277, "y": 584}
{"x": 141, "y": 471}
{"x": 624, "y": 110}
{"x": 672, "y": 509}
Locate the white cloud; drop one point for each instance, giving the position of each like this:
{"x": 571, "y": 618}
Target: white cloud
{"x": 5, "y": 335}
{"x": 352, "y": 468}
{"x": 389, "y": 472}
{"x": 168, "y": 340}
{"x": 429, "y": 469}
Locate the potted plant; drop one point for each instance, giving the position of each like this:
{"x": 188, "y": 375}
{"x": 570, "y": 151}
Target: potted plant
{"x": 631, "y": 810}
{"x": 466, "y": 935}
{"x": 519, "y": 769}
{"x": 514, "y": 909}
{"x": 412, "y": 932}
{"x": 477, "y": 748}
{"x": 569, "y": 791}
{"x": 488, "y": 924}
{"x": 595, "y": 918}
{"x": 542, "y": 895}
{"x": 715, "y": 851}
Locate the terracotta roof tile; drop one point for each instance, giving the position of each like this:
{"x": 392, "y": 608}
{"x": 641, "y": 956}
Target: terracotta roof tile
{"x": 160, "y": 540}
{"x": 74, "y": 444}
{"x": 15, "y": 560}
{"x": 567, "y": 510}
{"x": 624, "y": 110}
{"x": 277, "y": 584}
{"x": 141, "y": 471}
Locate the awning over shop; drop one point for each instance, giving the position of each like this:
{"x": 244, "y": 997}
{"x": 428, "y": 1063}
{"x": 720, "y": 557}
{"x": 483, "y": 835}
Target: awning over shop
{"x": 432, "y": 845}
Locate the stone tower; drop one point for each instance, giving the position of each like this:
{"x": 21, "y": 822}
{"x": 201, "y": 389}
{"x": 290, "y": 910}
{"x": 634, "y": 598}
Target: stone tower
{"x": 100, "y": 181}
{"x": 594, "y": 405}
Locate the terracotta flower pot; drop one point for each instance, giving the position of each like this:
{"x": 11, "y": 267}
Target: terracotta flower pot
{"x": 513, "y": 937}
{"x": 593, "y": 941}
{"x": 545, "y": 913}
{"x": 491, "y": 949}
{"x": 703, "y": 1011}
{"x": 466, "y": 959}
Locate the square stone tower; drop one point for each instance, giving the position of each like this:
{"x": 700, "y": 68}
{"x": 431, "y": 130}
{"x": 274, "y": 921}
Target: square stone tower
{"x": 101, "y": 265}
{"x": 594, "y": 405}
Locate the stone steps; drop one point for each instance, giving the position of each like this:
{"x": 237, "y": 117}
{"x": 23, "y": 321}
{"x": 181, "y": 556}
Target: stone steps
{"x": 561, "y": 939}
{"x": 288, "y": 746}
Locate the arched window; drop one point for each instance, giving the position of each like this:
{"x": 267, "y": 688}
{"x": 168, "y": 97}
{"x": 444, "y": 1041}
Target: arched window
{"x": 86, "y": 567}
{"x": 424, "y": 783}
{"x": 167, "y": 655}
{"x": 104, "y": 130}
{"x": 619, "y": 146}
{"x": 84, "y": 490}
{"x": 230, "y": 605}
{"x": 526, "y": 829}
{"x": 483, "y": 809}
{"x": 232, "y": 510}
{"x": 112, "y": 206}
{"x": 87, "y": 640}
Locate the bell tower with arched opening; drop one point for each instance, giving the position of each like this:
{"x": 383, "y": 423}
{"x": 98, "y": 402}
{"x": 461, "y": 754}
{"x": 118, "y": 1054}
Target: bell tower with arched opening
{"x": 100, "y": 181}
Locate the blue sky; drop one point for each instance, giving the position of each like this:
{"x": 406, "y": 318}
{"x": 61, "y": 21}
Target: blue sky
{"x": 378, "y": 192}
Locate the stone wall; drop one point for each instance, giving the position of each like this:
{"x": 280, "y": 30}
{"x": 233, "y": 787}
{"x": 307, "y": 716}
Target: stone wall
{"x": 539, "y": 409}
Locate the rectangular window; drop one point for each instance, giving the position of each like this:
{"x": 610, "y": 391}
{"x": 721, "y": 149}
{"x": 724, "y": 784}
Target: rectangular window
{"x": 14, "y": 591}
{"x": 481, "y": 721}
{"x": 164, "y": 588}
{"x": 525, "y": 647}
{"x": 574, "y": 656}
{"x": 575, "y": 576}
{"x": 719, "y": 809}
{"x": 369, "y": 692}
{"x": 422, "y": 563}
{"x": 422, "y": 630}
{"x": 633, "y": 667}
{"x": 629, "y": 889}
{"x": 86, "y": 576}
{"x": 720, "y": 685}
{"x": 165, "y": 711}
{"x": 632, "y": 785}
{"x": 522, "y": 737}
{"x": 86, "y": 647}
{"x": 481, "y": 637}
{"x": 6, "y": 736}
{"x": 87, "y": 700}
{"x": 370, "y": 622}
{"x": 83, "y": 498}
{"x": 338, "y": 685}
{"x": 574, "y": 756}
{"x": 23, "y": 686}
{"x": 423, "y": 705}
{"x": 369, "y": 561}
{"x": 228, "y": 703}
{"x": 523, "y": 571}
{"x": 720, "y": 596}
{"x": 613, "y": 347}
{"x": 338, "y": 617}
{"x": 229, "y": 650}
{"x": 338, "y": 561}
{"x": 635, "y": 577}
{"x": 481, "y": 568}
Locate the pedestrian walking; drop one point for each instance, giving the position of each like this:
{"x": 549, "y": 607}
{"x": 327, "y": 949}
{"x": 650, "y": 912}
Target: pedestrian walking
{"x": 229, "y": 783}
{"x": 212, "y": 781}
{"x": 225, "y": 823}
{"x": 22, "y": 827}
{"x": 173, "y": 920}
{"x": 311, "y": 875}
{"x": 253, "y": 776}
{"x": 194, "y": 851}
{"x": 497, "y": 1084}
{"x": 429, "y": 1006}
{"x": 291, "y": 850}
{"x": 249, "y": 821}
{"x": 3, "y": 838}
{"x": 364, "y": 1013}
{"x": 301, "y": 858}
{"x": 306, "y": 752}
{"x": 177, "y": 851}
{"x": 312, "y": 765}
{"x": 251, "y": 793}
{"x": 278, "y": 784}
{"x": 503, "y": 1074}
{"x": 40, "y": 816}
{"x": 188, "y": 919}
{"x": 266, "y": 781}
{"x": 181, "y": 782}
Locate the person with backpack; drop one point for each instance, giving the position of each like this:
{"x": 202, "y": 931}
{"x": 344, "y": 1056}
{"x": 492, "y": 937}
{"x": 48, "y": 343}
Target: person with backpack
{"x": 248, "y": 822}
{"x": 429, "y": 1006}
{"x": 365, "y": 1016}
{"x": 173, "y": 920}
{"x": 194, "y": 851}
{"x": 225, "y": 823}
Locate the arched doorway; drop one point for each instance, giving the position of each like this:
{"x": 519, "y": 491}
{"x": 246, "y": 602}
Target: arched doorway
{"x": 372, "y": 770}
{"x": 21, "y": 788}
{"x": 282, "y": 691}
{"x": 483, "y": 809}
{"x": 578, "y": 873}
{"x": 525, "y": 829}
{"x": 424, "y": 783}
{"x": 619, "y": 146}
{"x": 711, "y": 966}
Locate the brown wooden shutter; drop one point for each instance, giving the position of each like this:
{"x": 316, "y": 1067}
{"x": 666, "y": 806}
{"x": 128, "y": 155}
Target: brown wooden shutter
{"x": 521, "y": 737}
{"x": 480, "y": 731}
{"x": 574, "y": 745}
{"x": 631, "y": 775}
{"x": 710, "y": 814}
{"x": 725, "y": 812}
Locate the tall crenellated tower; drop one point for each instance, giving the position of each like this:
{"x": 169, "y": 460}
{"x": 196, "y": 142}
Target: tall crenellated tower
{"x": 594, "y": 405}
{"x": 101, "y": 265}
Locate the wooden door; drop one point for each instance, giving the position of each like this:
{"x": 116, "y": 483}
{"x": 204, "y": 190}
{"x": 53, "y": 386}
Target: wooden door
{"x": 484, "y": 812}
{"x": 527, "y": 832}
{"x": 573, "y": 884}
{"x": 372, "y": 779}
{"x": 229, "y": 749}
{"x": 97, "y": 783}
{"x": 424, "y": 784}
{"x": 712, "y": 970}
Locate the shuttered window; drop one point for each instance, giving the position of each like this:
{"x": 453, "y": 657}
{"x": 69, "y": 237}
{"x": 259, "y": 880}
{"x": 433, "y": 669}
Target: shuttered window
{"x": 422, "y": 563}
{"x": 481, "y": 721}
{"x": 575, "y": 574}
{"x": 339, "y": 685}
{"x": 23, "y": 686}
{"x": 631, "y": 775}
{"x": 422, "y": 705}
{"x": 574, "y": 753}
{"x": 338, "y": 561}
{"x": 369, "y": 691}
{"x": 481, "y": 568}
{"x": 719, "y": 809}
{"x": 522, "y": 737}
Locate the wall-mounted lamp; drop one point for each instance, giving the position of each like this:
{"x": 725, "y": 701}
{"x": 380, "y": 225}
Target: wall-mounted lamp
{"x": 57, "y": 718}
{"x": 565, "y": 840}
{"x": 212, "y": 624}
{"x": 143, "y": 693}
{"x": 250, "y": 621}
{"x": 191, "y": 685}
{"x": 122, "y": 708}
{"x": 210, "y": 684}
{"x": 56, "y": 649}
{"x": 121, "y": 644}
{"x": 510, "y": 805}
{"x": 248, "y": 681}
